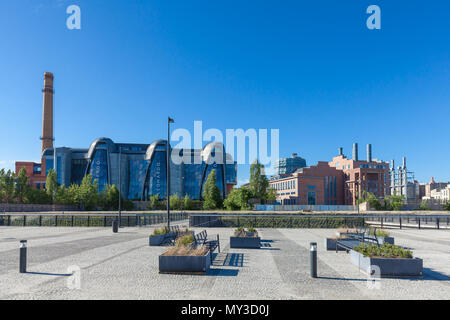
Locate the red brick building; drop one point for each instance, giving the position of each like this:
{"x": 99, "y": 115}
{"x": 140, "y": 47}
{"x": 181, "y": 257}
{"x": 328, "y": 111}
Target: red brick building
{"x": 369, "y": 175}
{"x": 316, "y": 185}
{"x": 34, "y": 173}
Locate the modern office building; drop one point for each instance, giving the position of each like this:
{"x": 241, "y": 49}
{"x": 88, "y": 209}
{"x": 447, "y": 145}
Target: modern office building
{"x": 286, "y": 166}
{"x": 369, "y": 175}
{"x": 138, "y": 170}
{"x": 316, "y": 185}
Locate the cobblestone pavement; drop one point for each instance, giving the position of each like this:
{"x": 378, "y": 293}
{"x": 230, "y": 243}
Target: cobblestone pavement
{"x": 124, "y": 266}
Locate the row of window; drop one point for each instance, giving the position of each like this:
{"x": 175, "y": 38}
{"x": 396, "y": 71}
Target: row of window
{"x": 284, "y": 185}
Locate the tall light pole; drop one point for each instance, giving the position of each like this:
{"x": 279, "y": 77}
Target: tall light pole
{"x": 169, "y": 121}
{"x": 120, "y": 185}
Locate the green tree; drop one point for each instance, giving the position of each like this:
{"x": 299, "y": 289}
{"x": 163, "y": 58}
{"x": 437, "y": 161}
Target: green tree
{"x": 238, "y": 199}
{"x": 109, "y": 198}
{"x": 51, "y": 184}
{"x": 37, "y": 196}
{"x": 187, "y": 203}
{"x": 259, "y": 183}
{"x": 396, "y": 202}
{"x": 87, "y": 195}
{"x": 424, "y": 206}
{"x": 22, "y": 185}
{"x": 271, "y": 195}
{"x": 447, "y": 206}
{"x": 154, "y": 203}
{"x": 175, "y": 202}
{"x": 211, "y": 193}
{"x": 7, "y": 185}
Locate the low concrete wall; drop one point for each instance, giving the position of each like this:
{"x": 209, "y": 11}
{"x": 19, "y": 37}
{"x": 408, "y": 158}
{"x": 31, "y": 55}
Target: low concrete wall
{"x": 245, "y": 242}
{"x": 184, "y": 264}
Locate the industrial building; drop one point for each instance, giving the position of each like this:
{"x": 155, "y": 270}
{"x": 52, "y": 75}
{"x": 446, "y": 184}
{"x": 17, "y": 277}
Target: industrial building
{"x": 138, "y": 170}
{"x": 286, "y": 166}
{"x": 369, "y": 175}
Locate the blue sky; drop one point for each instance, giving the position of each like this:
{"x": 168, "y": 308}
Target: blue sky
{"x": 308, "y": 68}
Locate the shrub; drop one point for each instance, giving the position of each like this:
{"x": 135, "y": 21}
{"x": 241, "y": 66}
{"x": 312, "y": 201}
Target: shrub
{"x": 424, "y": 206}
{"x": 160, "y": 231}
{"x": 384, "y": 251}
{"x": 447, "y": 206}
{"x": 184, "y": 240}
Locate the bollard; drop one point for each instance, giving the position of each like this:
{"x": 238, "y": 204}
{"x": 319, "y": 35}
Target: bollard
{"x": 23, "y": 256}
{"x": 115, "y": 225}
{"x": 313, "y": 259}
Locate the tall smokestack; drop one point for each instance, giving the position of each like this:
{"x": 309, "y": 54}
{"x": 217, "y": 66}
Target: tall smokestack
{"x": 404, "y": 162}
{"x": 369, "y": 153}
{"x": 47, "y": 114}
{"x": 392, "y": 164}
{"x": 340, "y": 151}
{"x": 355, "y": 152}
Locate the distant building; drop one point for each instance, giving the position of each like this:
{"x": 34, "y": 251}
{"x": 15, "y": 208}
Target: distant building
{"x": 442, "y": 194}
{"x": 316, "y": 185}
{"x": 138, "y": 170}
{"x": 286, "y": 166}
{"x": 437, "y": 186}
{"x": 369, "y": 175}
{"x": 141, "y": 168}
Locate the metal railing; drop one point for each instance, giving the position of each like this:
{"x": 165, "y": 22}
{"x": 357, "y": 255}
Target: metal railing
{"x": 86, "y": 220}
{"x": 320, "y": 220}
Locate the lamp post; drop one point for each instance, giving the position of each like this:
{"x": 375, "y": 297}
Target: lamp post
{"x": 169, "y": 121}
{"x": 120, "y": 185}
{"x": 357, "y": 194}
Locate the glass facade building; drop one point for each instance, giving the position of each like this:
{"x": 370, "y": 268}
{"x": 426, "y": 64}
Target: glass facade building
{"x": 139, "y": 170}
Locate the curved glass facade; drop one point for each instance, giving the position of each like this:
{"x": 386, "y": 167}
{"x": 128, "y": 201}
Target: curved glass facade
{"x": 139, "y": 170}
{"x": 99, "y": 168}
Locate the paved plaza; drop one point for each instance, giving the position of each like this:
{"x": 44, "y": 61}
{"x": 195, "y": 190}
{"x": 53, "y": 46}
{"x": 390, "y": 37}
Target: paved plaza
{"x": 124, "y": 266}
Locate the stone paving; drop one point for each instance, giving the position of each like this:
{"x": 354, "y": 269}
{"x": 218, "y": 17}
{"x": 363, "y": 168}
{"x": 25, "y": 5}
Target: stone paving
{"x": 124, "y": 266}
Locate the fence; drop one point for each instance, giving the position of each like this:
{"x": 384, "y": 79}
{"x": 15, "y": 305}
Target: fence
{"x": 318, "y": 221}
{"x": 279, "y": 207}
{"x": 86, "y": 220}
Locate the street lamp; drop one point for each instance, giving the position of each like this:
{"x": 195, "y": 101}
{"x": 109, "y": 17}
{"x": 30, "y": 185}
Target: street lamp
{"x": 169, "y": 121}
{"x": 120, "y": 185}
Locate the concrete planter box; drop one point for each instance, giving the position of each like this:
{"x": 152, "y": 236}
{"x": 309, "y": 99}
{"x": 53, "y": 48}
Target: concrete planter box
{"x": 389, "y": 267}
{"x": 184, "y": 264}
{"x": 330, "y": 245}
{"x": 245, "y": 242}
{"x": 157, "y": 240}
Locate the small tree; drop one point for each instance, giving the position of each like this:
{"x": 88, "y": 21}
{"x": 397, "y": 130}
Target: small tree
{"x": 51, "y": 184}
{"x": 88, "y": 195}
{"x": 187, "y": 203}
{"x": 396, "y": 202}
{"x": 211, "y": 193}
{"x": 7, "y": 185}
{"x": 154, "y": 202}
{"x": 175, "y": 202}
{"x": 22, "y": 185}
{"x": 238, "y": 199}
{"x": 259, "y": 183}
{"x": 447, "y": 206}
{"x": 424, "y": 206}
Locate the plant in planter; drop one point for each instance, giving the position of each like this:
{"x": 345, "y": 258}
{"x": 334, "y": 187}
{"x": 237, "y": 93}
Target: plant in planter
{"x": 245, "y": 238}
{"x": 185, "y": 257}
{"x": 158, "y": 236}
{"x": 383, "y": 236}
{"x": 390, "y": 260}
{"x": 330, "y": 243}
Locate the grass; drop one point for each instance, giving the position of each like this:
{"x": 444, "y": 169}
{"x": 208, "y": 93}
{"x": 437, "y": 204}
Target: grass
{"x": 160, "y": 231}
{"x": 242, "y": 232}
{"x": 183, "y": 247}
{"x": 384, "y": 251}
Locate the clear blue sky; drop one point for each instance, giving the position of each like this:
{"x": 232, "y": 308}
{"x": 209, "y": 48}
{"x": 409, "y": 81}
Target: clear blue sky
{"x": 309, "y": 68}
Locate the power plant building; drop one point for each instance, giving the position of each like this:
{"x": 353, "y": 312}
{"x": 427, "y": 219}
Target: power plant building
{"x": 138, "y": 170}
